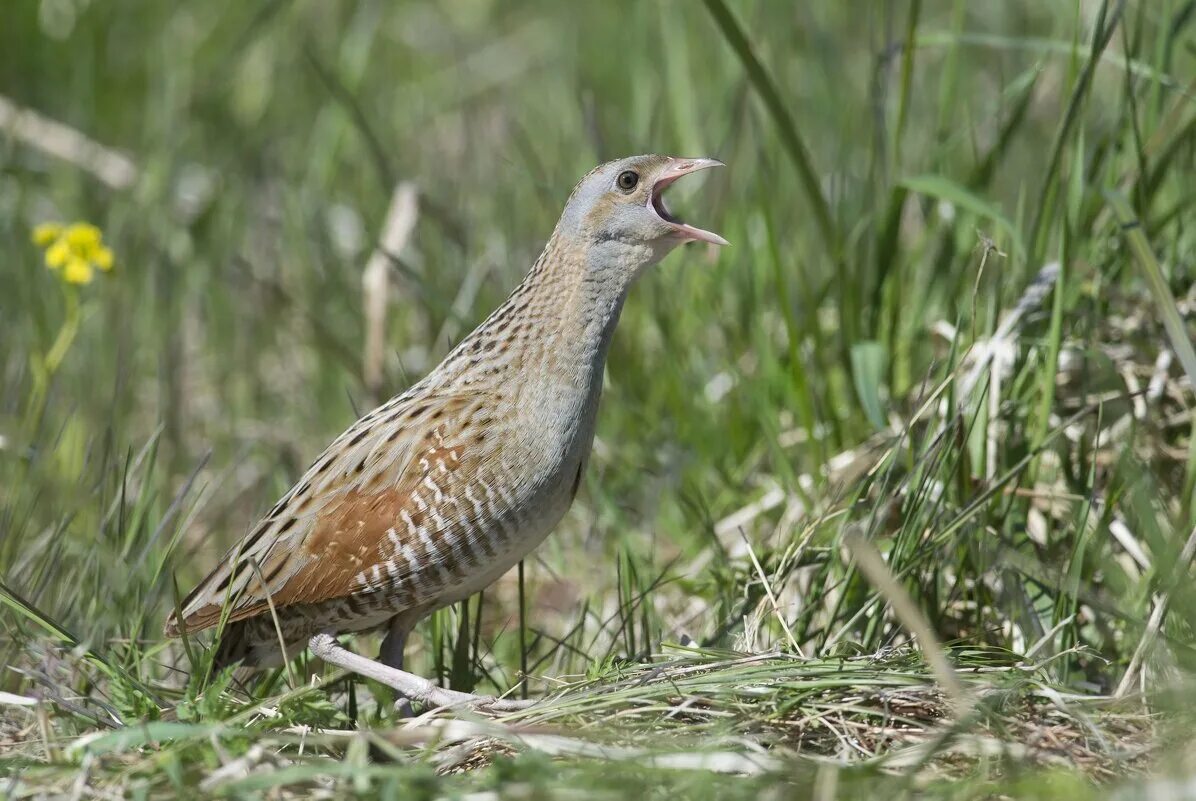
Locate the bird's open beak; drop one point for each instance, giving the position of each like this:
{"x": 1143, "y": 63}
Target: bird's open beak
{"x": 674, "y": 170}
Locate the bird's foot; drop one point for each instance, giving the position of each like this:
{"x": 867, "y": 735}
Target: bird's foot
{"x": 413, "y": 688}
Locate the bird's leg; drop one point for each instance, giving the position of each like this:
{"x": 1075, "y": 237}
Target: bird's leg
{"x": 410, "y": 685}
{"x": 391, "y": 655}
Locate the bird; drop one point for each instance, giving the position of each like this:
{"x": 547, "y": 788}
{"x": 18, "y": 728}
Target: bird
{"x": 436, "y": 493}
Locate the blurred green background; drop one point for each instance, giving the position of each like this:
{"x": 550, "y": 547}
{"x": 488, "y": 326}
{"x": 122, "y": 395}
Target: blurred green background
{"x": 897, "y": 175}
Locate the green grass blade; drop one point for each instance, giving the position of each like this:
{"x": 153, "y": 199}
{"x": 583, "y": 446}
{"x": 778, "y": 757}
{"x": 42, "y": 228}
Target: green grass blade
{"x": 1177, "y": 332}
{"x": 791, "y": 137}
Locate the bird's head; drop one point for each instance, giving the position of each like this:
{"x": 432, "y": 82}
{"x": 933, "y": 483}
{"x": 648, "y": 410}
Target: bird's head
{"x": 618, "y": 214}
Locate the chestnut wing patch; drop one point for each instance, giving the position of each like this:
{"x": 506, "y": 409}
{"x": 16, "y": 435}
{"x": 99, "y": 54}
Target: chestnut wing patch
{"x": 340, "y": 530}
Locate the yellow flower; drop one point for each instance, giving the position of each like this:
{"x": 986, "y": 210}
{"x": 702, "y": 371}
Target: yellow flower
{"x": 102, "y": 258}
{"x": 78, "y": 271}
{"x": 45, "y": 233}
{"x": 82, "y": 237}
{"x": 78, "y": 249}
{"x": 57, "y": 254}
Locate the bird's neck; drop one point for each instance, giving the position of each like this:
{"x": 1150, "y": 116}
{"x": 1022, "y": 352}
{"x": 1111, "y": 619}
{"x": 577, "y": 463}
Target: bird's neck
{"x": 556, "y": 326}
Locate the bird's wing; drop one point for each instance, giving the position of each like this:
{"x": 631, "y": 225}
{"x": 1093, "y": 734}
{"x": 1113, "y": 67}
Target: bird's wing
{"x": 339, "y": 531}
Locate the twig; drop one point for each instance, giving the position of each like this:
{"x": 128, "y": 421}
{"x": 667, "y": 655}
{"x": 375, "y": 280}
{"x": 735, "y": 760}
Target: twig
{"x": 410, "y": 685}
{"x": 63, "y": 142}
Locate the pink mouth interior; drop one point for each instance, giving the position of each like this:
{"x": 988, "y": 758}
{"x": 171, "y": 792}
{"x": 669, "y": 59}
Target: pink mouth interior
{"x": 684, "y": 230}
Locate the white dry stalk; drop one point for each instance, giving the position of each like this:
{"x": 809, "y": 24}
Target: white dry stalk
{"x": 1126, "y": 539}
{"x": 411, "y": 686}
{"x": 1157, "y": 616}
{"x": 1134, "y": 390}
{"x": 1119, "y": 531}
{"x": 1047, "y": 638}
{"x": 8, "y": 699}
{"x": 998, "y": 353}
{"x": 63, "y": 142}
{"x": 401, "y": 216}
{"x": 999, "y": 350}
{"x": 994, "y": 415}
{"x": 1140, "y": 403}
{"x": 1158, "y": 379}
{"x": 772, "y": 599}
{"x": 736, "y": 521}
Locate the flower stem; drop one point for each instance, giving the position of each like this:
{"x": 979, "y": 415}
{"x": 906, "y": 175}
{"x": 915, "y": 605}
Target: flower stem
{"x": 45, "y": 367}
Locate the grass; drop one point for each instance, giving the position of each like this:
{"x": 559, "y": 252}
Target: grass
{"x": 891, "y": 498}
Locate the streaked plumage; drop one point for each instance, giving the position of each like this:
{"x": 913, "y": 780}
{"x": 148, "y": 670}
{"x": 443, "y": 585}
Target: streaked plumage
{"x": 435, "y": 494}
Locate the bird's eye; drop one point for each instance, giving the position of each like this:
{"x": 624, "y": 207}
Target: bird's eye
{"x": 627, "y": 180}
